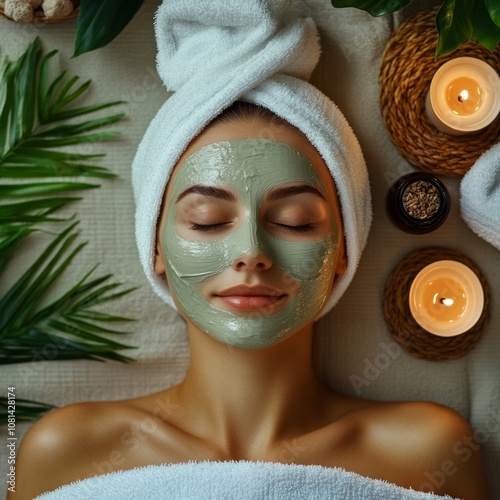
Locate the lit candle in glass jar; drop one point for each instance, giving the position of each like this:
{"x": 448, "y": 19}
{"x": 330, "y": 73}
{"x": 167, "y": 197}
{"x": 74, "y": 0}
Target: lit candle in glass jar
{"x": 464, "y": 96}
{"x": 446, "y": 298}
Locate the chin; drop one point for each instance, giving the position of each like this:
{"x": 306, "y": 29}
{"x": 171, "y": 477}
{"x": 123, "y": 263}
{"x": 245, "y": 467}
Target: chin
{"x": 256, "y": 344}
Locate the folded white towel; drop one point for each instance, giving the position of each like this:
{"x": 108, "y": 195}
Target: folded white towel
{"x": 215, "y": 52}
{"x": 234, "y": 480}
{"x": 480, "y": 196}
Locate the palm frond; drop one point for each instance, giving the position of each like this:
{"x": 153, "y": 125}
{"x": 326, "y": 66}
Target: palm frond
{"x": 26, "y": 410}
{"x": 28, "y": 103}
{"x": 20, "y": 212}
{"x": 41, "y": 188}
{"x": 31, "y": 111}
{"x": 16, "y": 234}
{"x": 37, "y": 116}
{"x": 67, "y": 327}
{"x": 35, "y": 211}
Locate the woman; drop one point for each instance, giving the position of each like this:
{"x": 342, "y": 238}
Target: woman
{"x": 251, "y": 243}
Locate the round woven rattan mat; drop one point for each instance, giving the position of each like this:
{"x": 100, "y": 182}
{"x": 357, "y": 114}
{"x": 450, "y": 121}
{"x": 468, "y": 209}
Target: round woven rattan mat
{"x": 406, "y": 330}
{"x": 406, "y": 72}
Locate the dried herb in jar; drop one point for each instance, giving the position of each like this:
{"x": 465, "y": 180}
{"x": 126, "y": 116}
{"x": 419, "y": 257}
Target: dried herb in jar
{"x": 421, "y": 200}
{"x": 418, "y": 202}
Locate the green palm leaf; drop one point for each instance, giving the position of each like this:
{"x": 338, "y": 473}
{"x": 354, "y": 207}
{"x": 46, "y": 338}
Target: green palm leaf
{"x": 29, "y": 105}
{"x": 41, "y": 188}
{"x": 19, "y": 212}
{"x": 14, "y": 216}
{"x": 67, "y": 327}
{"x": 26, "y": 410}
{"x": 16, "y": 234}
{"x": 36, "y": 116}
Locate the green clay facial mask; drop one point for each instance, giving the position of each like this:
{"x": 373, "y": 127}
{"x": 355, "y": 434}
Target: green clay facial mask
{"x": 249, "y": 168}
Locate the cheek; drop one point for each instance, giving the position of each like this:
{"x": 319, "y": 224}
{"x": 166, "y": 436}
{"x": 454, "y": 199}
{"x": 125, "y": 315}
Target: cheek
{"x": 194, "y": 261}
{"x": 304, "y": 261}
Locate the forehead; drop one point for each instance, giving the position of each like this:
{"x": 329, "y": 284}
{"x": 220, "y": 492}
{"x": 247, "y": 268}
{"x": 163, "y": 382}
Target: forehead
{"x": 270, "y": 145}
{"x": 245, "y": 165}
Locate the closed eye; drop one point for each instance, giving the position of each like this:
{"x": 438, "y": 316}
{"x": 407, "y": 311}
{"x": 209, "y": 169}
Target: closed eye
{"x": 295, "y": 229}
{"x": 205, "y": 228}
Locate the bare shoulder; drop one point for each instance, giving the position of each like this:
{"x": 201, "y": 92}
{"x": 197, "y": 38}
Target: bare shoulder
{"x": 453, "y": 463}
{"x": 66, "y": 445}
{"x": 430, "y": 446}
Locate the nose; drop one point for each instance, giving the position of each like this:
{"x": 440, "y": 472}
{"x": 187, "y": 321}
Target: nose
{"x": 252, "y": 262}
{"x": 249, "y": 247}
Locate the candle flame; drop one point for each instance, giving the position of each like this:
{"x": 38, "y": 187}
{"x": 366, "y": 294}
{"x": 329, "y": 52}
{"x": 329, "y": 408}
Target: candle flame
{"x": 463, "y": 96}
{"x": 447, "y": 302}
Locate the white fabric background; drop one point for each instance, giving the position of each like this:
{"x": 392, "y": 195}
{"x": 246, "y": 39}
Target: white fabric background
{"x": 350, "y": 338}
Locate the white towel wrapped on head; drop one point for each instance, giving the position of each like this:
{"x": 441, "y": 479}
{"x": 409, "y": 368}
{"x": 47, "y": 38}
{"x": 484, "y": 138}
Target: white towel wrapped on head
{"x": 231, "y": 480}
{"x": 480, "y": 196}
{"x": 213, "y": 53}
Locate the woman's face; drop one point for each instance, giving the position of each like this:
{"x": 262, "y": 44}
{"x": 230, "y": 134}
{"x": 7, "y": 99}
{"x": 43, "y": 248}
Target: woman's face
{"x": 250, "y": 234}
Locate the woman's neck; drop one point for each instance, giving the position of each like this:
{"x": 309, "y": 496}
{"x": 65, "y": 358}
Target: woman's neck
{"x": 249, "y": 399}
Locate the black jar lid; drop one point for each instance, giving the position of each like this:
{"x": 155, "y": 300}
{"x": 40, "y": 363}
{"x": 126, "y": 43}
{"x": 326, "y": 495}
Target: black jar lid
{"x": 418, "y": 202}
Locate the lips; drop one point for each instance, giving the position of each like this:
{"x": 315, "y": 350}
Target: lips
{"x": 250, "y": 298}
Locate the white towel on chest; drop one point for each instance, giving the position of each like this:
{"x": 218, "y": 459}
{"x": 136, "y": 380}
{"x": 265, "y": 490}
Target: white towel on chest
{"x": 234, "y": 481}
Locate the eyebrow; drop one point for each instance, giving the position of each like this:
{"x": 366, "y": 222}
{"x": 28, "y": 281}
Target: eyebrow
{"x": 213, "y": 192}
{"x": 275, "y": 194}
{"x": 284, "y": 192}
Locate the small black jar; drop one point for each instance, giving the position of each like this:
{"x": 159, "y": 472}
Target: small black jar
{"x": 418, "y": 203}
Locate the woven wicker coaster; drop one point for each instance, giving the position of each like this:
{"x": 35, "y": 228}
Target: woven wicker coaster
{"x": 406, "y": 72}
{"x": 406, "y": 330}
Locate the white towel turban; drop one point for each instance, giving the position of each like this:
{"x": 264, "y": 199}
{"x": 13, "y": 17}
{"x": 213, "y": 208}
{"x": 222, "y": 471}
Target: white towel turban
{"x": 215, "y": 52}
